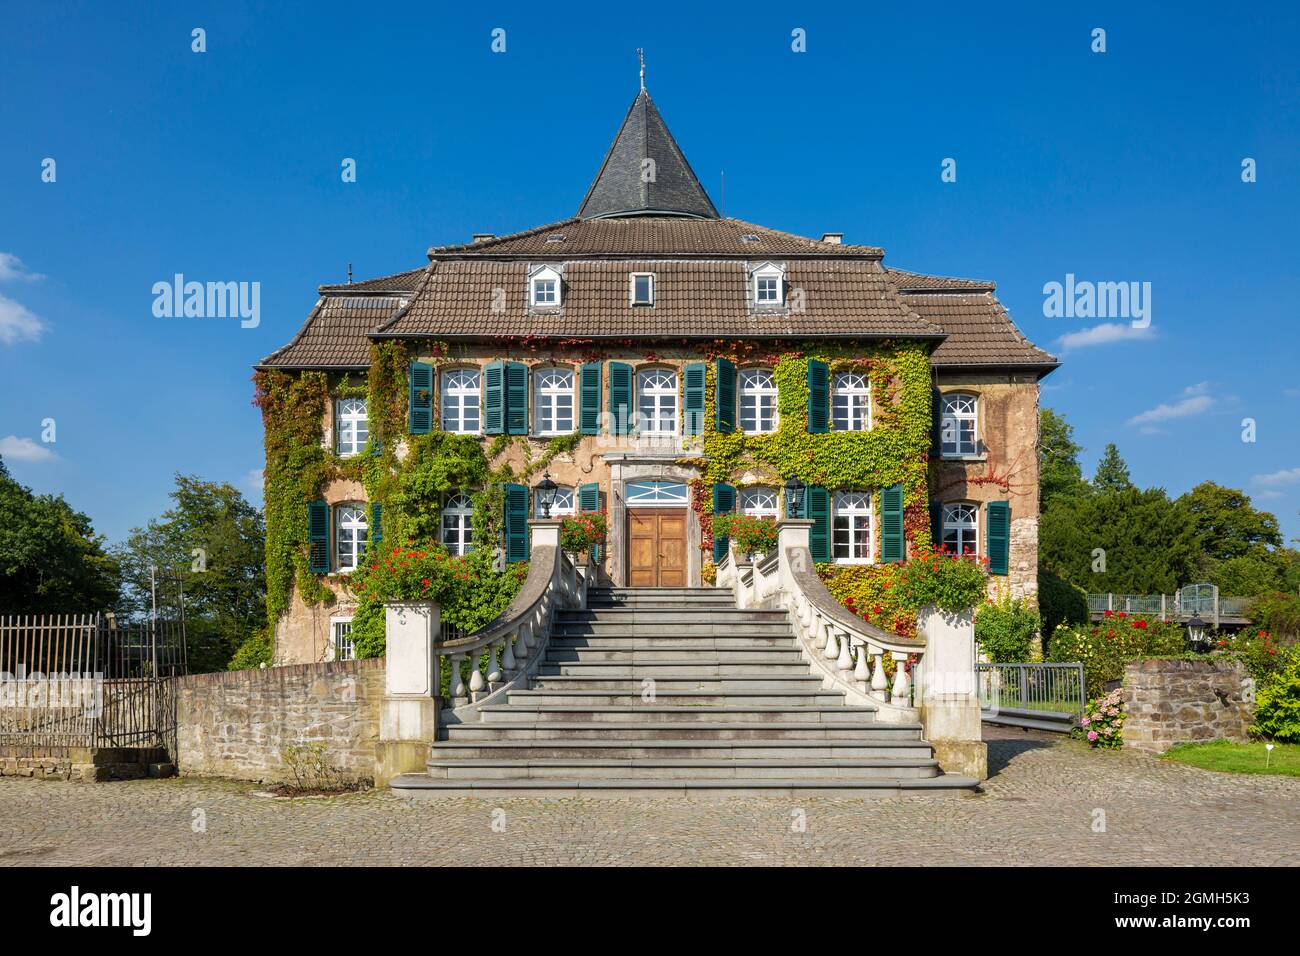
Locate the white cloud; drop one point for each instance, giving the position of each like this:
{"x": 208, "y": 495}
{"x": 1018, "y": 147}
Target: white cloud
{"x": 1105, "y": 334}
{"x": 24, "y": 449}
{"x": 1287, "y": 476}
{"x": 1194, "y": 401}
{"x": 254, "y": 481}
{"x": 18, "y": 324}
{"x": 13, "y": 270}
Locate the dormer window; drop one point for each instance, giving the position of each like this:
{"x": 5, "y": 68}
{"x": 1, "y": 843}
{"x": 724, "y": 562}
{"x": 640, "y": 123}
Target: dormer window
{"x": 642, "y": 289}
{"x": 544, "y": 287}
{"x": 768, "y": 282}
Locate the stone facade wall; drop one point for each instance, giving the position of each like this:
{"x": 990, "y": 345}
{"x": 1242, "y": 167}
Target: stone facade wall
{"x": 1176, "y": 702}
{"x": 84, "y": 764}
{"x": 238, "y": 723}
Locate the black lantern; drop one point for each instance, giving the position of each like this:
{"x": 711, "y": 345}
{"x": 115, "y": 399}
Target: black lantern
{"x": 794, "y": 489}
{"x": 546, "y": 494}
{"x": 1196, "y": 633}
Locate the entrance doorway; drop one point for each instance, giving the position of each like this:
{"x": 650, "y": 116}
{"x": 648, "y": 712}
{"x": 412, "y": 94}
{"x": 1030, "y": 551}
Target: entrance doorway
{"x": 656, "y": 547}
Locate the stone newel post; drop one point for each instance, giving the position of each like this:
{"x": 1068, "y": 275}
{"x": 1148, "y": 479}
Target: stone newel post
{"x": 408, "y": 719}
{"x": 947, "y": 693}
{"x": 791, "y": 533}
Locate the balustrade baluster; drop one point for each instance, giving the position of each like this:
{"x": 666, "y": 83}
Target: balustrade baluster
{"x": 879, "y": 679}
{"x": 459, "y": 695}
{"x": 493, "y": 675}
{"x": 902, "y": 682}
{"x": 508, "y": 662}
{"x": 845, "y": 660}
{"x": 862, "y": 670}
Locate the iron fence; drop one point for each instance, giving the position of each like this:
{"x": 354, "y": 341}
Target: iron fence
{"x": 1032, "y": 694}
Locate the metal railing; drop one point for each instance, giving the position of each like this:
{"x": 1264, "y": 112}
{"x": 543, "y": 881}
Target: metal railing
{"x": 1047, "y": 696}
{"x": 1201, "y": 600}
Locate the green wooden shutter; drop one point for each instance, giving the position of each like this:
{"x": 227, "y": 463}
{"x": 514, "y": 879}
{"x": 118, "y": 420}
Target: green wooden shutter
{"x": 936, "y": 423}
{"x": 589, "y": 500}
{"x": 589, "y": 399}
{"x": 516, "y": 517}
{"x": 819, "y": 396}
{"x": 376, "y": 524}
{"x": 724, "y": 501}
{"x": 817, "y": 506}
{"x": 936, "y": 525}
{"x": 318, "y": 536}
{"x": 891, "y": 524}
{"x": 620, "y": 398}
{"x": 494, "y": 398}
{"x": 725, "y": 398}
{"x": 420, "y": 399}
{"x": 516, "y": 398}
{"x": 695, "y": 379}
{"x": 998, "y": 544}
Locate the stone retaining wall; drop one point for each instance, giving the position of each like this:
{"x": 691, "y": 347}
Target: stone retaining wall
{"x": 239, "y": 723}
{"x": 1177, "y": 702}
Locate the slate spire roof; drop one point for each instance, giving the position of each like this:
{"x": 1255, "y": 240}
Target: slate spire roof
{"x": 628, "y": 185}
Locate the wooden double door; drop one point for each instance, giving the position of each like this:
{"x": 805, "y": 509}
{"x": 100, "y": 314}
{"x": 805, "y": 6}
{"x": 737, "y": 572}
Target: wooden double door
{"x": 656, "y": 547}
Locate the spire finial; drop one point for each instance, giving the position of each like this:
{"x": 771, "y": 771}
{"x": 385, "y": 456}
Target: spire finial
{"x": 640, "y": 55}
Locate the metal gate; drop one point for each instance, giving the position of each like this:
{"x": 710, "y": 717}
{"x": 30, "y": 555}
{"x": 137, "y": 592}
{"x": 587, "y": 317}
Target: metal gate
{"x": 1042, "y": 696}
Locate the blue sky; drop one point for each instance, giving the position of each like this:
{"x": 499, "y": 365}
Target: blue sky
{"x": 225, "y": 166}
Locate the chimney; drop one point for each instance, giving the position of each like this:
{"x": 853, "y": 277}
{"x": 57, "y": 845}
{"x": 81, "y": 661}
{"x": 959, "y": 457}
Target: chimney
{"x": 484, "y": 236}
{"x": 834, "y": 238}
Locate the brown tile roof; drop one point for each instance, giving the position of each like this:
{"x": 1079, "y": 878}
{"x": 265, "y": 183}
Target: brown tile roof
{"x": 336, "y": 334}
{"x": 398, "y": 282}
{"x": 916, "y": 282}
{"x": 980, "y": 332}
{"x": 693, "y": 299}
{"x": 624, "y": 238}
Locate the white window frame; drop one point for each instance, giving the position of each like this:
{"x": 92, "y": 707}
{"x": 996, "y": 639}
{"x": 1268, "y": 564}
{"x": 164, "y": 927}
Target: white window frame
{"x": 657, "y": 399}
{"x": 655, "y": 493}
{"x": 758, "y": 502}
{"x": 548, "y": 401}
{"x": 752, "y": 395}
{"x": 759, "y": 278}
{"x": 456, "y": 400}
{"x": 564, "y": 503}
{"x": 631, "y": 288}
{"x": 458, "y": 505}
{"x": 855, "y": 390}
{"x": 350, "y": 517}
{"x": 951, "y": 422}
{"x": 545, "y": 288}
{"x": 348, "y": 645}
{"x": 351, "y": 425}
{"x": 963, "y": 517}
{"x": 855, "y": 508}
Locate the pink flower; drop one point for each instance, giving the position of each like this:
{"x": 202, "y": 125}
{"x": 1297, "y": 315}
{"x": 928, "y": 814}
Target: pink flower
{"x": 1092, "y": 735}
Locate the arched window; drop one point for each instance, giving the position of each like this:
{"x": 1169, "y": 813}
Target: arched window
{"x": 851, "y": 402}
{"x": 757, "y": 400}
{"x": 851, "y": 530}
{"x": 561, "y": 504}
{"x": 961, "y": 529}
{"x": 462, "y": 389}
{"x": 351, "y": 426}
{"x": 458, "y": 524}
{"x": 656, "y": 398}
{"x": 957, "y": 427}
{"x": 553, "y": 401}
{"x": 350, "y": 537}
{"x": 758, "y": 502}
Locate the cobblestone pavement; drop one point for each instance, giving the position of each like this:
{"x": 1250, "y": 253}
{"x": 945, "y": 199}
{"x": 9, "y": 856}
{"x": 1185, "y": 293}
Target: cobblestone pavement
{"x": 1041, "y": 806}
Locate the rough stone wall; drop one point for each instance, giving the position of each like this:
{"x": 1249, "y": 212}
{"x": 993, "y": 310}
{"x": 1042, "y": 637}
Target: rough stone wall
{"x": 1176, "y": 702}
{"x": 238, "y": 723}
{"x": 1005, "y": 470}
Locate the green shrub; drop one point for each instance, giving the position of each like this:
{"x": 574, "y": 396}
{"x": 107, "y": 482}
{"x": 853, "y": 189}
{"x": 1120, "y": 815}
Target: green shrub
{"x": 750, "y": 535}
{"x": 1103, "y": 721}
{"x": 1277, "y": 613}
{"x": 1277, "y": 705}
{"x": 254, "y": 652}
{"x": 868, "y": 591}
{"x": 1105, "y": 648}
{"x": 1060, "y": 602}
{"x": 1261, "y": 651}
{"x": 950, "y": 582}
{"x": 1005, "y": 629}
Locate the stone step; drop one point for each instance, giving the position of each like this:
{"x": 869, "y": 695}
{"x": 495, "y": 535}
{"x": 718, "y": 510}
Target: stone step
{"x": 522, "y": 728}
{"x": 701, "y": 667}
{"x": 418, "y": 785}
{"x": 663, "y": 615}
{"x": 668, "y": 652}
{"x": 664, "y": 683}
{"x": 565, "y": 768}
{"x": 674, "y": 632}
{"x": 695, "y": 699}
{"x": 910, "y": 748}
{"x": 606, "y": 591}
{"x": 646, "y": 712}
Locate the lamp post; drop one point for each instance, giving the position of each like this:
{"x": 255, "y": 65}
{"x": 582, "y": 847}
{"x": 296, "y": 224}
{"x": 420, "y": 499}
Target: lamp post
{"x": 546, "y": 494}
{"x": 1196, "y": 632}
{"x": 794, "y": 490}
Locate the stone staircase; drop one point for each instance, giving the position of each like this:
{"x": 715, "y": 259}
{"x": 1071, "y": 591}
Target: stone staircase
{"x": 676, "y": 690}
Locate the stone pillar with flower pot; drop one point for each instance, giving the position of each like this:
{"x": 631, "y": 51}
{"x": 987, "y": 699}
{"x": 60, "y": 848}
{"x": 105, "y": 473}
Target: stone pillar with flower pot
{"x": 947, "y": 692}
{"x": 408, "y": 717}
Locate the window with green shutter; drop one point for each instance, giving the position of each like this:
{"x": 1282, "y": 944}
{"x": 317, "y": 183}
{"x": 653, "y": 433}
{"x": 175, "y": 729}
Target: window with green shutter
{"x": 620, "y": 398}
{"x": 998, "y": 541}
{"x": 494, "y": 398}
{"x": 695, "y": 377}
{"x": 589, "y": 399}
{"x": 318, "y": 536}
{"x": 725, "y": 374}
{"x": 724, "y": 502}
{"x": 819, "y": 396}
{"x": 516, "y": 398}
{"x": 516, "y": 521}
{"x": 376, "y": 524}
{"x": 891, "y": 524}
{"x": 420, "y": 399}
{"x": 589, "y": 500}
{"x": 817, "y": 506}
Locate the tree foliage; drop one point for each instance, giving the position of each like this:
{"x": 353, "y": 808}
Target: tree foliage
{"x": 1112, "y": 472}
{"x": 1060, "y": 477}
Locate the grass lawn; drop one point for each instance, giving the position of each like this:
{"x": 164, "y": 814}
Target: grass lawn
{"x": 1230, "y": 757}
